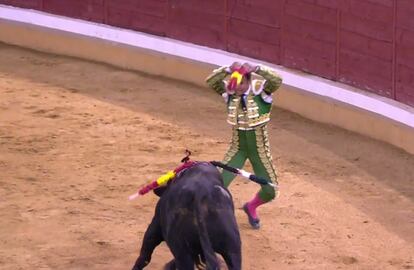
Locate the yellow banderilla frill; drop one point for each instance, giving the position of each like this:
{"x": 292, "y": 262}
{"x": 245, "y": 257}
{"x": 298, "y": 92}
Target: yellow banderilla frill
{"x": 163, "y": 179}
{"x": 238, "y": 77}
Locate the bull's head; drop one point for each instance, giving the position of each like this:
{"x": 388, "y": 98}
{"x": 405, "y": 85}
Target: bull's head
{"x": 160, "y": 191}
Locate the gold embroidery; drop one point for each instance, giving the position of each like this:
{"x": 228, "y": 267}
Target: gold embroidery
{"x": 264, "y": 153}
{"x": 245, "y": 119}
{"x": 234, "y": 147}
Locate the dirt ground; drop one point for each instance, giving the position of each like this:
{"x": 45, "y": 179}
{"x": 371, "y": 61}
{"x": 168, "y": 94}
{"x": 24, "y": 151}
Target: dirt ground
{"x": 77, "y": 138}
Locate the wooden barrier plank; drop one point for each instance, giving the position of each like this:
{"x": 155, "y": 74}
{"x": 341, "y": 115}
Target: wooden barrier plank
{"x": 254, "y": 49}
{"x": 270, "y": 16}
{"x": 368, "y": 10}
{"x": 196, "y": 35}
{"x": 311, "y": 12}
{"x": 366, "y": 45}
{"x": 405, "y": 85}
{"x": 270, "y": 4}
{"x": 334, "y": 4}
{"x": 405, "y": 52}
{"x": 310, "y": 38}
{"x": 132, "y": 19}
{"x": 253, "y": 31}
{"x": 90, "y": 10}
{"x": 405, "y": 47}
{"x": 405, "y": 14}
{"x": 34, "y": 4}
{"x": 309, "y": 59}
{"x": 319, "y": 48}
{"x": 157, "y": 8}
{"x": 362, "y": 63}
{"x": 309, "y": 29}
{"x": 376, "y": 30}
{"x": 210, "y": 6}
{"x": 367, "y": 72}
{"x": 192, "y": 17}
{"x": 387, "y": 3}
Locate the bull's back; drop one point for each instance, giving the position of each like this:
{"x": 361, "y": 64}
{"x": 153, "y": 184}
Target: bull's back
{"x": 200, "y": 180}
{"x": 197, "y": 191}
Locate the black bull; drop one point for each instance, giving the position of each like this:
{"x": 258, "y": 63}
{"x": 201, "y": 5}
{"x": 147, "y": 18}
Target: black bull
{"x": 195, "y": 217}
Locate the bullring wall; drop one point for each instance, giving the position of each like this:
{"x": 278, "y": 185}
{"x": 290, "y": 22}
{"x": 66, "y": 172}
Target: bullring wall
{"x": 311, "y": 96}
{"x": 366, "y": 44}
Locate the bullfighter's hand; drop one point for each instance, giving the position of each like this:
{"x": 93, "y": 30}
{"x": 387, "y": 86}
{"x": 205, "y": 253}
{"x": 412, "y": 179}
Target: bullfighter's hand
{"x": 249, "y": 67}
{"x": 235, "y": 66}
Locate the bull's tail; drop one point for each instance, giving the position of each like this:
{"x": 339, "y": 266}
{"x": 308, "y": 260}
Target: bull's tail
{"x": 209, "y": 254}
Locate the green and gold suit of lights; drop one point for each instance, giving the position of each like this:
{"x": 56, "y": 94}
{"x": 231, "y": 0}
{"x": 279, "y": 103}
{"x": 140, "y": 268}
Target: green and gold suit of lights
{"x": 249, "y": 115}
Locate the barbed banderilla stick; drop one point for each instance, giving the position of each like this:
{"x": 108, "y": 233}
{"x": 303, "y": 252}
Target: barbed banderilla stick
{"x": 162, "y": 180}
{"x": 252, "y": 177}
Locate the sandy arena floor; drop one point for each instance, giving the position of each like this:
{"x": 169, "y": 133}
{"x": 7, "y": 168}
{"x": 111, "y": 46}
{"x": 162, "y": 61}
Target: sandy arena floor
{"x": 76, "y": 138}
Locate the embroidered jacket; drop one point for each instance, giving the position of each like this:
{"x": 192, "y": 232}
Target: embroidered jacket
{"x": 255, "y": 110}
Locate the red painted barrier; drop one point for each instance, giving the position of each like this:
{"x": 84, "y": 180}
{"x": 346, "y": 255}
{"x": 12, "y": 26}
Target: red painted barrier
{"x": 367, "y": 44}
{"x": 199, "y": 22}
{"x": 90, "y": 10}
{"x": 254, "y": 29}
{"x": 32, "y": 4}
{"x": 145, "y": 16}
{"x": 404, "y": 53}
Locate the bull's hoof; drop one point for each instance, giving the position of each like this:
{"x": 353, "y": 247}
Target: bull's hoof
{"x": 254, "y": 222}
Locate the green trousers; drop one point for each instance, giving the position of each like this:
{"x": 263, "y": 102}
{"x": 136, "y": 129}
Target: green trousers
{"x": 252, "y": 145}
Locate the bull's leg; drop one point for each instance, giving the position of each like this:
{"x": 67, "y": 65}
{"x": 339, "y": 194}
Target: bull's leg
{"x": 170, "y": 265}
{"x": 231, "y": 251}
{"x": 200, "y": 262}
{"x": 184, "y": 261}
{"x": 233, "y": 260}
{"x": 152, "y": 238}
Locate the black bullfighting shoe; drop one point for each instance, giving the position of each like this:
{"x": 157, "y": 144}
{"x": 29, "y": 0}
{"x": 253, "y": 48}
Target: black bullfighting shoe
{"x": 254, "y": 222}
